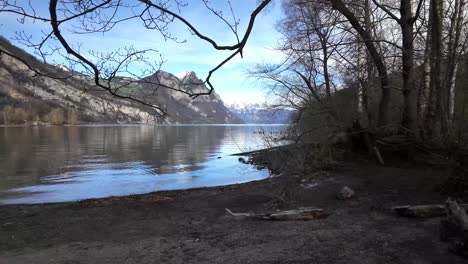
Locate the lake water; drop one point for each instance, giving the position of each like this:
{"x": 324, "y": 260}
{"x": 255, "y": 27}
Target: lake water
{"x": 58, "y": 164}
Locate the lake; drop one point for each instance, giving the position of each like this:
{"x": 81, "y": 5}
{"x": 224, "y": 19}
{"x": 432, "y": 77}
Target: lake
{"x": 43, "y": 164}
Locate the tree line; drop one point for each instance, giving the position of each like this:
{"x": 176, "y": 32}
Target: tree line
{"x": 405, "y": 59}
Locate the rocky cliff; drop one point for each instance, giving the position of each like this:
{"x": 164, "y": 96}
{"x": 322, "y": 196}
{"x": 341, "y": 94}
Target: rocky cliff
{"x": 204, "y": 109}
{"x": 26, "y": 97}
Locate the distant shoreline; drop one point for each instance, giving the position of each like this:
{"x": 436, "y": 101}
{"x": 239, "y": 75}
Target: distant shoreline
{"x": 136, "y": 124}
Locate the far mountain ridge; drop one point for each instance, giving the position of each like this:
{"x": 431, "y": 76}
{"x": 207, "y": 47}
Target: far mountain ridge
{"x": 256, "y": 113}
{"x": 26, "y": 98}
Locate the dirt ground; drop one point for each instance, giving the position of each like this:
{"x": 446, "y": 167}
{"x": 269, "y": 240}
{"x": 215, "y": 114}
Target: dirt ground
{"x": 192, "y": 226}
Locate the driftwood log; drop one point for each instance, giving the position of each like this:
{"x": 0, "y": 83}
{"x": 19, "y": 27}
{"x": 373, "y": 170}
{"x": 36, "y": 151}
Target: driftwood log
{"x": 306, "y": 213}
{"x": 454, "y": 228}
{"x": 457, "y": 214}
{"x": 429, "y": 210}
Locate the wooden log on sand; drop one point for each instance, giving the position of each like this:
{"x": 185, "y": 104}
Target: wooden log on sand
{"x": 429, "y": 210}
{"x": 301, "y": 214}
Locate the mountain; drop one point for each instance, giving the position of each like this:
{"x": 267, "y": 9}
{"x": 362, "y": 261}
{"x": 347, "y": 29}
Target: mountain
{"x": 26, "y": 97}
{"x": 257, "y": 114}
{"x": 204, "y": 109}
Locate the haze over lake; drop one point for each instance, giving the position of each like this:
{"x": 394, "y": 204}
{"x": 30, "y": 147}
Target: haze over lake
{"x": 58, "y": 164}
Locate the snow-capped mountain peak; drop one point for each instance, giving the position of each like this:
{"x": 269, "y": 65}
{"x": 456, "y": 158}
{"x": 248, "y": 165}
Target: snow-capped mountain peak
{"x": 260, "y": 113}
{"x": 243, "y": 106}
{"x": 62, "y": 67}
{"x": 184, "y": 74}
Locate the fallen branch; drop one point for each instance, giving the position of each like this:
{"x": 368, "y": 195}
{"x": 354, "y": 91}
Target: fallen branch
{"x": 430, "y": 210}
{"x": 248, "y": 153}
{"x": 277, "y": 148}
{"x": 306, "y": 213}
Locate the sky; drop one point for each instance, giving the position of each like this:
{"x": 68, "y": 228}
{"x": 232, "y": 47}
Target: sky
{"x": 230, "y": 82}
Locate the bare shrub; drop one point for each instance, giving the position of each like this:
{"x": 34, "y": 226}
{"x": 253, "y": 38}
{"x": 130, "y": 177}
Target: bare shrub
{"x": 6, "y": 114}
{"x": 19, "y": 116}
{"x": 56, "y": 117}
{"x": 14, "y": 116}
{"x": 294, "y": 154}
{"x": 72, "y": 117}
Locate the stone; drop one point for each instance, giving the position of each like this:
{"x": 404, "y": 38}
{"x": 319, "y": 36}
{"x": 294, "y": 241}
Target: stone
{"x": 346, "y": 193}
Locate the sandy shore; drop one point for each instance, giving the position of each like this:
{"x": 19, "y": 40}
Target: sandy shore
{"x": 192, "y": 226}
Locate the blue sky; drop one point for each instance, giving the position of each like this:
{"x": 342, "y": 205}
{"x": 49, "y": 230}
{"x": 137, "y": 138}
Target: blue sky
{"x": 230, "y": 82}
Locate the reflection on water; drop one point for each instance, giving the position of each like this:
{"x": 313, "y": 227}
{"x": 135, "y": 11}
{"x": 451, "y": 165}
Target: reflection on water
{"x": 56, "y": 164}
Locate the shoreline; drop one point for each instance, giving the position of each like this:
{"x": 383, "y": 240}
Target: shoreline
{"x": 192, "y": 226}
{"x": 133, "y": 196}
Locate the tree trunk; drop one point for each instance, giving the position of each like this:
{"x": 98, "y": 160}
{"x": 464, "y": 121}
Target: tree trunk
{"x": 424, "y": 93}
{"x": 452, "y": 57}
{"x": 369, "y": 69}
{"x": 434, "y": 123}
{"x": 409, "y": 120}
{"x": 384, "y": 104}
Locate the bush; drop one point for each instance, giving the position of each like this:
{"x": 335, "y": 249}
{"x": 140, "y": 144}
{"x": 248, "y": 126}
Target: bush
{"x": 72, "y": 117}
{"x": 56, "y": 117}
{"x": 14, "y": 116}
{"x": 20, "y": 116}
